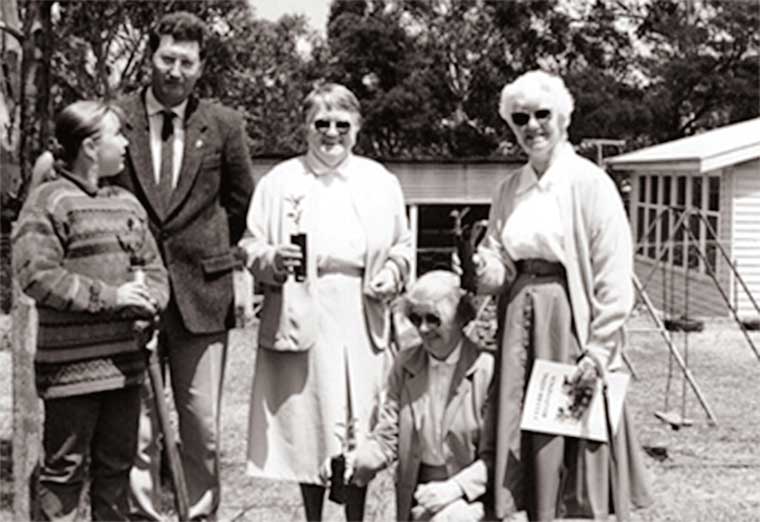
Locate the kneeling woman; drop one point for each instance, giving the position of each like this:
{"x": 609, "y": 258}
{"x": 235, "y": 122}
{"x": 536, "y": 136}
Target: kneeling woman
{"x": 435, "y": 414}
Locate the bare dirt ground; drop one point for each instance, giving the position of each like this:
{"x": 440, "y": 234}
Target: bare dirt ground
{"x": 700, "y": 473}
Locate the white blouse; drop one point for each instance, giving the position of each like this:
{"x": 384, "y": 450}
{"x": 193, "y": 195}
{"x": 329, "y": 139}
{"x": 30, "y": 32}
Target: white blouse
{"x": 440, "y": 374}
{"x": 534, "y": 228}
{"x": 336, "y": 236}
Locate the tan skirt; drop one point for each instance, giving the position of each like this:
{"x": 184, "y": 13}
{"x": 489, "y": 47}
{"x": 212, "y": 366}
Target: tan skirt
{"x": 553, "y": 476}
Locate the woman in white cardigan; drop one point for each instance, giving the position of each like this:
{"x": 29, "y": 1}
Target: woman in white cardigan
{"x": 558, "y": 251}
{"x": 323, "y": 338}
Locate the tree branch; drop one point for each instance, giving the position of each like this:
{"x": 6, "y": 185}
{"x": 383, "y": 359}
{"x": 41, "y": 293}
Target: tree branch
{"x": 18, "y": 35}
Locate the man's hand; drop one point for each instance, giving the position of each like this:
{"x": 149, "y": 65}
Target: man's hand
{"x": 436, "y": 495}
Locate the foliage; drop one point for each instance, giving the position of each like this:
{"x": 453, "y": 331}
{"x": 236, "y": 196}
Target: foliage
{"x": 369, "y": 51}
{"x": 252, "y": 65}
{"x": 428, "y": 72}
{"x": 703, "y": 66}
{"x": 103, "y": 52}
{"x": 270, "y": 75}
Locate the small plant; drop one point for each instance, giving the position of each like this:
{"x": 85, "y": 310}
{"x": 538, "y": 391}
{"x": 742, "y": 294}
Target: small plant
{"x": 295, "y": 210}
{"x": 132, "y": 242}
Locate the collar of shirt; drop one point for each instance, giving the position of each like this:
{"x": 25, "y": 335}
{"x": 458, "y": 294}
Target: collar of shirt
{"x": 153, "y": 106}
{"x": 450, "y": 361}
{"x": 316, "y": 167}
{"x": 529, "y": 178}
{"x": 86, "y": 186}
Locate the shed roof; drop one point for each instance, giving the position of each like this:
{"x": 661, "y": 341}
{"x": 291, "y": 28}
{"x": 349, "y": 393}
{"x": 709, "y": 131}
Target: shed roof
{"x": 700, "y": 153}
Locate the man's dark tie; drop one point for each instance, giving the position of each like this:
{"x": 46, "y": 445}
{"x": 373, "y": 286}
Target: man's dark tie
{"x": 167, "y": 159}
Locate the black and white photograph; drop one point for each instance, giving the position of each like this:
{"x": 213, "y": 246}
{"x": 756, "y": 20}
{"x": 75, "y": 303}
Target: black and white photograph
{"x": 379, "y": 260}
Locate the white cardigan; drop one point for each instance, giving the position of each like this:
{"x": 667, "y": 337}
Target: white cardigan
{"x": 597, "y": 246}
{"x": 287, "y": 321}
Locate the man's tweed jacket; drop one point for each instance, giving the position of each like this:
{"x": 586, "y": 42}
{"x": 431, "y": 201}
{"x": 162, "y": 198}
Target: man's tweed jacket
{"x": 206, "y": 213}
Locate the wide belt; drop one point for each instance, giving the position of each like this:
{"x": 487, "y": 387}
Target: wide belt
{"x": 540, "y": 267}
{"x": 428, "y": 473}
{"x": 345, "y": 270}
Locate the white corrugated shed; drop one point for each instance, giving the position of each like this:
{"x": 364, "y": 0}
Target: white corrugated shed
{"x": 710, "y": 150}
{"x": 733, "y": 153}
{"x": 746, "y": 231}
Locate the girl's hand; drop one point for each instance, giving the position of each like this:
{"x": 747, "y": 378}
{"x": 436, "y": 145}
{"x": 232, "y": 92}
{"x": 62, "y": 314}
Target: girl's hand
{"x": 135, "y": 296}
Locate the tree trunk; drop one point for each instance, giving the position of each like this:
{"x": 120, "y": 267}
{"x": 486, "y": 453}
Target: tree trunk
{"x": 28, "y": 58}
{"x": 10, "y": 55}
{"x": 27, "y": 410}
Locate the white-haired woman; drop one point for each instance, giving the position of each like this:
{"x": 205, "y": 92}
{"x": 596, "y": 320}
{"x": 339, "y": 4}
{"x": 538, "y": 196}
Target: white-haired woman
{"x": 323, "y": 339}
{"x": 436, "y": 422}
{"x": 558, "y": 250}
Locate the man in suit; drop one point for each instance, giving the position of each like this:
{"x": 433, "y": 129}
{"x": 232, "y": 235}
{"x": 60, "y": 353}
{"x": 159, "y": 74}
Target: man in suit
{"x": 190, "y": 168}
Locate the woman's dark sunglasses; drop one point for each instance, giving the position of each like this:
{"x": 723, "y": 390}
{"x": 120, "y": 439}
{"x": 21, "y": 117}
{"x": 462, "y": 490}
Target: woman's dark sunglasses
{"x": 522, "y": 118}
{"x": 323, "y": 126}
{"x": 431, "y": 319}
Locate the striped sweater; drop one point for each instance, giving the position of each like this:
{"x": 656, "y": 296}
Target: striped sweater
{"x": 73, "y": 246}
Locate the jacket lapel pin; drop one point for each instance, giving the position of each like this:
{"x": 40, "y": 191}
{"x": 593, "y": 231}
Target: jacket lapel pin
{"x": 199, "y": 144}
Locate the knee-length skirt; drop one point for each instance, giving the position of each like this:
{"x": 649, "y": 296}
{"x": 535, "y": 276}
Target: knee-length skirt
{"x": 553, "y": 476}
{"x": 300, "y": 400}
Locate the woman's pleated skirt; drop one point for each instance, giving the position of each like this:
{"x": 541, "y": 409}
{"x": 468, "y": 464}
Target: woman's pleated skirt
{"x": 553, "y": 476}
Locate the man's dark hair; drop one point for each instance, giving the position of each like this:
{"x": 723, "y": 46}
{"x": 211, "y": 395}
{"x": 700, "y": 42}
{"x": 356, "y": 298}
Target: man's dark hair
{"x": 182, "y": 26}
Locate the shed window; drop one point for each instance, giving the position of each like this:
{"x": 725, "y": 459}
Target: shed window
{"x": 665, "y": 233}
{"x": 435, "y": 237}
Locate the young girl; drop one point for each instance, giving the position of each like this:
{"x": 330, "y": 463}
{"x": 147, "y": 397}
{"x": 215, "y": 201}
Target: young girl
{"x": 74, "y": 247}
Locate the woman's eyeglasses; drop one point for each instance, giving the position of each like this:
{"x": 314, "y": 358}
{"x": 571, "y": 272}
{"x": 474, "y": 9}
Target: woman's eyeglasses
{"x": 431, "y": 319}
{"x": 323, "y": 126}
{"x": 522, "y": 118}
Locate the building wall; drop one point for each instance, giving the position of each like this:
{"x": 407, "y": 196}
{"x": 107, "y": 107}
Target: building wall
{"x": 450, "y": 183}
{"x": 746, "y": 224}
{"x": 665, "y": 284}
{"x": 436, "y": 182}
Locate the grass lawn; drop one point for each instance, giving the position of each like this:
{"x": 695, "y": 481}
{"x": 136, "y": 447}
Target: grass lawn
{"x": 709, "y": 473}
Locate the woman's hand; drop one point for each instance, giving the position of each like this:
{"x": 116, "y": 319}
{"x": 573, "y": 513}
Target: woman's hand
{"x": 585, "y": 370}
{"x": 458, "y": 511}
{"x": 325, "y": 470}
{"x": 136, "y": 297}
{"x": 360, "y": 475}
{"x": 583, "y": 383}
{"x": 434, "y": 496}
{"x": 384, "y": 285}
{"x": 287, "y": 257}
{"x": 477, "y": 261}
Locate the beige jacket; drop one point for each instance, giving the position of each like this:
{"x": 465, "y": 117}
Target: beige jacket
{"x": 597, "y": 247}
{"x": 467, "y": 424}
{"x": 288, "y": 320}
